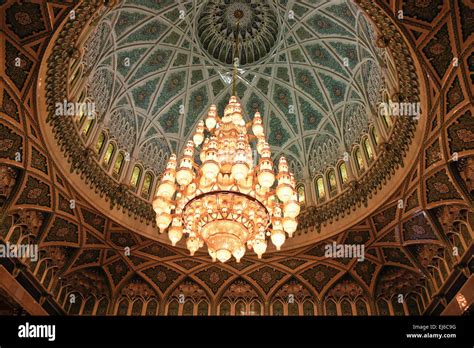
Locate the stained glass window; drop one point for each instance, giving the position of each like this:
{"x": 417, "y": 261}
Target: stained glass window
{"x": 136, "y": 173}
{"x": 343, "y": 173}
{"x": 368, "y": 149}
{"x": 100, "y": 143}
{"x": 308, "y": 308}
{"x": 118, "y": 165}
{"x": 109, "y": 153}
{"x": 147, "y": 185}
{"x": 358, "y": 159}
{"x": 301, "y": 194}
{"x": 277, "y": 308}
{"x": 320, "y": 189}
{"x": 224, "y": 308}
{"x": 173, "y": 308}
{"x": 240, "y": 308}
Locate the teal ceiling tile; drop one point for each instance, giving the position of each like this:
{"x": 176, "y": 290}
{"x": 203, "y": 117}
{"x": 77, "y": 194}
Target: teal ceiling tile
{"x": 143, "y": 93}
{"x": 282, "y": 73}
{"x": 154, "y": 62}
{"x": 284, "y": 100}
{"x": 170, "y": 119}
{"x": 278, "y": 134}
{"x": 305, "y": 80}
{"x": 128, "y": 59}
{"x": 335, "y": 88}
{"x": 173, "y": 85}
{"x": 254, "y": 104}
{"x": 311, "y": 116}
{"x": 342, "y": 11}
{"x": 325, "y": 26}
{"x": 347, "y": 53}
{"x": 150, "y": 32}
{"x": 127, "y": 20}
{"x": 196, "y": 105}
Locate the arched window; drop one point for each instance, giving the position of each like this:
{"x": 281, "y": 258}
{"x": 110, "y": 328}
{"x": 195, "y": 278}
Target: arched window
{"x": 320, "y": 191}
{"x": 240, "y": 308}
{"x": 224, "y": 308}
{"x": 137, "y": 308}
{"x": 277, "y": 308}
{"x": 87, "y": 126}
{"x": 343, "y": 173}
{"x": 173, "y": 308}
{"x": 123, "y": 307}
{"x": 387, "y": 121}
{"x": 308, "y": 308}
{"x": 76, "y": 305}
{"x": 346, "y": 308}
{"x": 375, "y": 136}
{"x": 109, "y": 154}
{"x": 330, "y": 308}
{"x": 412, "y": 306}
{"x": 146, "y": 188}
{"x": 100, "y": 143}
{"x": 102, "y": 308}
{"x": 332, "y": 183}
{"x": 361, "y": 307}
{"x": 188, "y": 308}
{"x": 368, "y": 149}
{"x": 397, "y": 306}
{"x": 382, "y": 306}
{"x": 301, "y": 194}
{"x": 255, "y": 308}
{"x": 151, "y": 307}
{"x": 203, "y": 308}
{"x": 135, "y": 179}
{"x": 293, "y": 308}
{"x": 89, "y": 306}
{"x": 118, "y": 165}
{"x": 359, "y": 160}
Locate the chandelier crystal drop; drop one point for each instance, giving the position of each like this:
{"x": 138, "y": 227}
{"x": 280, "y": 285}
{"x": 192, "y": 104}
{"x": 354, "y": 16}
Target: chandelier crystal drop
{"x": 217, "y": 195}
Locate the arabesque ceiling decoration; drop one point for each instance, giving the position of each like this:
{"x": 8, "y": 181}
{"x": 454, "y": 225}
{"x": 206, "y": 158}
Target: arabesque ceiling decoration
{"x": 408, "y": 246}
{"x": 154, "y": 74}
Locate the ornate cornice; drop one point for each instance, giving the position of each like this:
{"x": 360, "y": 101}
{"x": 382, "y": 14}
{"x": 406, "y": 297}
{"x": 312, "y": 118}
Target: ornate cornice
{"x": 82, "y": 159}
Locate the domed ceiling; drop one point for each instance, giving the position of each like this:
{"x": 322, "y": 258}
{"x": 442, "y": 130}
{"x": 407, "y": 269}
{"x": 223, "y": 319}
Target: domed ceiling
{"x": 311, "y": 69}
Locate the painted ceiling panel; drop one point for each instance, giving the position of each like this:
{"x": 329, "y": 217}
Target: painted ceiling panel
{"x": 160, "y": 66}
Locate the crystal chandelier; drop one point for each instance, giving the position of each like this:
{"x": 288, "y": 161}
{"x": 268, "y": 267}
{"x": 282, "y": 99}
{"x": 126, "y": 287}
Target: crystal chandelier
{"x": 227, "y": 202}
{"x": 223, "y": 198}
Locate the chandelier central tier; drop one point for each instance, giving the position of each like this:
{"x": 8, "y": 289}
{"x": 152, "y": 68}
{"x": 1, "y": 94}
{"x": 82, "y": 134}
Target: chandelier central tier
{"x": 228, "y": 197}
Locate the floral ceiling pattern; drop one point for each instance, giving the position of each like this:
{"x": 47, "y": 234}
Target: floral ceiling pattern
{"x": 152, "y": 76}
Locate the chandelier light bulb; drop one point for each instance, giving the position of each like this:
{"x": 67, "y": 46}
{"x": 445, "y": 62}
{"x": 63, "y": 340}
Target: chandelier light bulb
{"x": 291, "y": 208}
{"x": 239, "y": 253}
{"x": 223, "y": 255}
{"x": 260, "y": 246}
{"x": 278, "y": 238}
{"x": 289, "y": 225}
{"x": 175, "y": 234}
{"x": 163, "y": 221}
{"x": 257, "y": 125}
{"x": 192, "y": 243}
